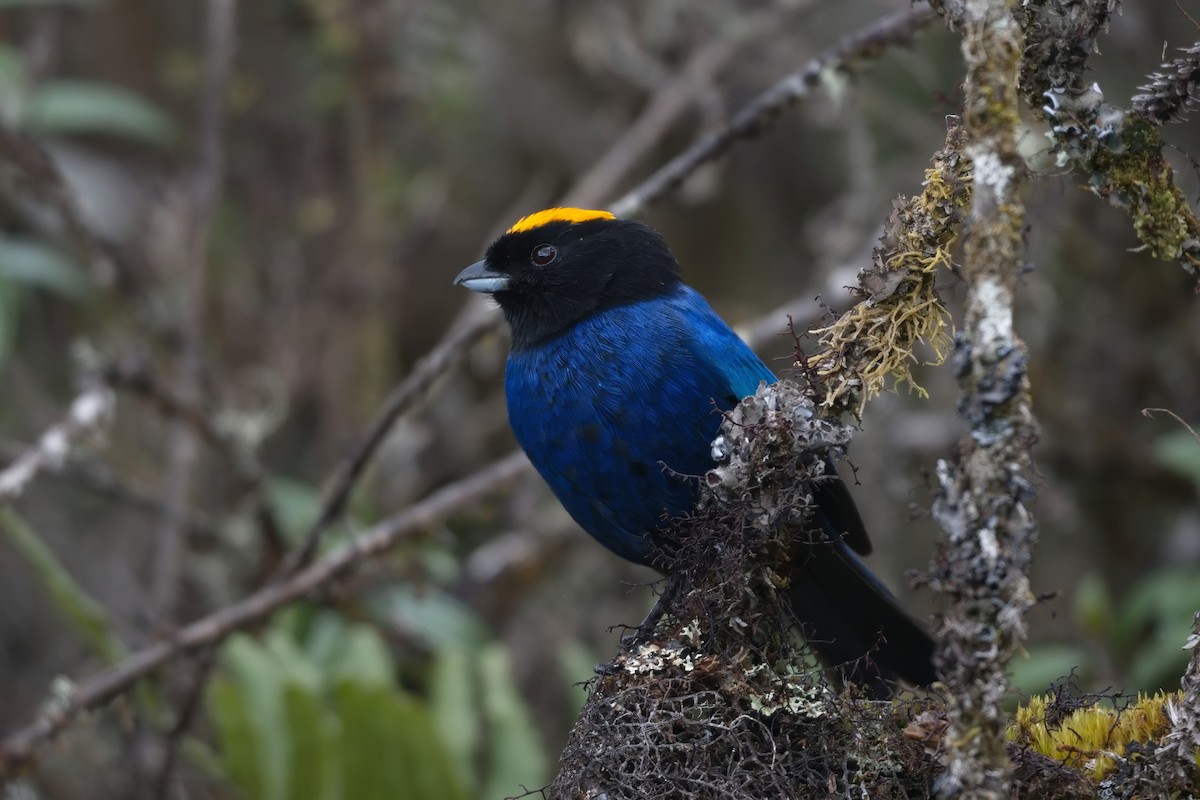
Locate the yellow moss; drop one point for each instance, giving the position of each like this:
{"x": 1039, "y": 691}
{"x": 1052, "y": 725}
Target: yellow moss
{"x": 1091, "y": 739}
{"x": 874, "y": 341}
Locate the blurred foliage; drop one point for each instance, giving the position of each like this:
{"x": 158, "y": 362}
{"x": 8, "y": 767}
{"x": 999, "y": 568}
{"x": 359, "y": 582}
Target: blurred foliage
{"x": 87, "y": 107}
{"x": 312, "y": 709}
{"x": 1180, "y": 451}
{"x": 1136, "y": 640}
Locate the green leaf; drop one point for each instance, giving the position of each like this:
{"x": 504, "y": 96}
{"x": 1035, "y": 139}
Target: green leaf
{"x": 1166, "y": 596}
{"x": 90, "y": 619}
{"x": 259, "y": 682}
{"x": 313, "y": 772}
{"x": 238, "y": 736}
{"x": 12, "y": 83}
{"x": 515, "y": 756}
{"x": 293, "y": 666}
{"x": 1179, "y": 451}
{"x": 436, "y": 618}
{"x": 296, "y": 506}
{"x": 33, "y": 263}
{"x": 10, "y": 317}
{"x": 348, "y": 652}
{"x": 364, "y": 658}
{"x": 455, "y": 707}
{"x": 1152, "y": 625}
{"x": 64, "y": 107}
{"x": 389, "y": 747}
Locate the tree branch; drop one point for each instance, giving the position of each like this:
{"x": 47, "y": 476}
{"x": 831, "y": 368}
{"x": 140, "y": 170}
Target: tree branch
{"x": 411, "y": 389}
{"x": 761, "y": 113}
{"x": 982, "y": 565}
{"x": 667, "y": 104}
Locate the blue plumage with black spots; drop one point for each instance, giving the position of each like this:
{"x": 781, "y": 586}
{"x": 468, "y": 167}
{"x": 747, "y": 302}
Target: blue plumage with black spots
{"x": 615, "y": 384}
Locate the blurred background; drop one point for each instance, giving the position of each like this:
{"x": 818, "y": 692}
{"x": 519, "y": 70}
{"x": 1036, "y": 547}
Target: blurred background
{"x": 282, "y": 259}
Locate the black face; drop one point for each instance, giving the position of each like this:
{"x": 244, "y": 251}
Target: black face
{"x": 552, "y": 276}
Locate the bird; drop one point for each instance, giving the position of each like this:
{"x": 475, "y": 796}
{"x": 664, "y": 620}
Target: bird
{"x": 615, "y": 373}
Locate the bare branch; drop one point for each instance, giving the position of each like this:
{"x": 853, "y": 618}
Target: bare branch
{"x": 413, "y": 523}
{"x": 348, "y": 473}
{"x": 667, "y": 104}
{"x": 763, "y": 111}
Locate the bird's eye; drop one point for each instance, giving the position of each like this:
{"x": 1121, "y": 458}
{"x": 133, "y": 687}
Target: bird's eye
{"x": 543, "y": 255}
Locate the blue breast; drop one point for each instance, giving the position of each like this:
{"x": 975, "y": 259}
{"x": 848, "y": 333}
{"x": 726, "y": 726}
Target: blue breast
{"x": 618, "y": 414}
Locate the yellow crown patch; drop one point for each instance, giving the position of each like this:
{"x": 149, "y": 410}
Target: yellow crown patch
{"x": 557, "y": 215}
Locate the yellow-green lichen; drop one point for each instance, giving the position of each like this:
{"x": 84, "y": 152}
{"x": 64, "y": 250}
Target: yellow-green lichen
{"x": 875, "y": 340}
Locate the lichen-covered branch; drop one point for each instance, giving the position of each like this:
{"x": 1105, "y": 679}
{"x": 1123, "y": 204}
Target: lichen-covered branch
{"x": 876, "y": 339}
{"x": 1119, "y": 152}
{"x": 982, "y": 565}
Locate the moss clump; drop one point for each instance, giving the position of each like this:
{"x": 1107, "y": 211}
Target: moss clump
{"x": 1092, "y": 738}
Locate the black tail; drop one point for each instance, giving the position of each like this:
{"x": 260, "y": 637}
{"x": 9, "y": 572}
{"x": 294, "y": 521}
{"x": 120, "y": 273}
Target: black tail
{"x": 854, "y": 623}
{"x": 848, "y": 616}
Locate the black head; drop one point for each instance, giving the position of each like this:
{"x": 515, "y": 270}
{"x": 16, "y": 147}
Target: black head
{"x": 559, "y": 266}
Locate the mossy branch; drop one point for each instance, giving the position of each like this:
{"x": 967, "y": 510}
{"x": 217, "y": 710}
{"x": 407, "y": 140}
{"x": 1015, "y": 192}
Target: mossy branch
{"x": 1118, "y": 151}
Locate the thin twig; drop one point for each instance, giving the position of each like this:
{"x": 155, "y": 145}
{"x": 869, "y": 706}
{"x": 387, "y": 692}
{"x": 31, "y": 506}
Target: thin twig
{"x": 104, "y": 482}
{"x": 763, "y": 111}
{"x": 669, "y": 103}
{"x": 413, "y": 523}
{"x": 205, "y": 191}
{"x": 427, "y": 370}
{"x": 89, "y": 413}
{"x": 1149, "y": 414}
